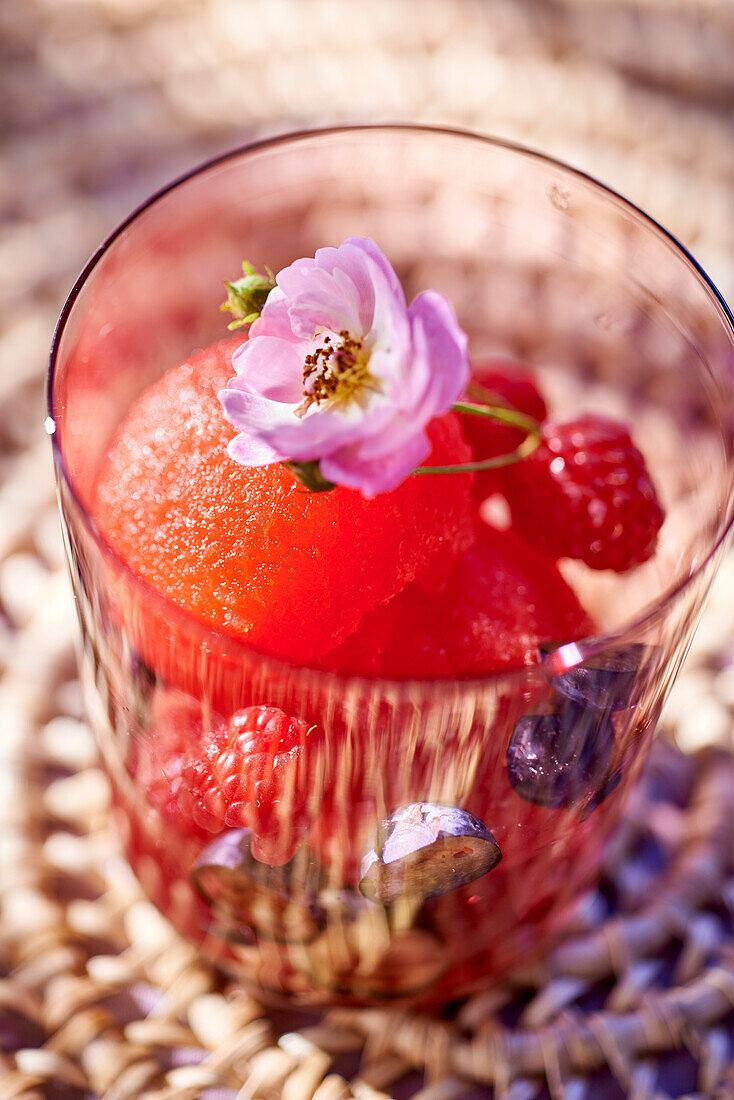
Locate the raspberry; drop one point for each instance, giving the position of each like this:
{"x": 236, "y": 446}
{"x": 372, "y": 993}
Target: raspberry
{"x": 247, "y": 772}
{"x": 498, "y": 382}
{"x": 586, "y": 493}
{"x": 513, "y": 384}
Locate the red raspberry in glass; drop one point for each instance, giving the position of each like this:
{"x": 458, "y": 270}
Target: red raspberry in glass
{"x": 499, "y": 382}
{"x": 247, "y": 772}
{"x": 586, "y": 493}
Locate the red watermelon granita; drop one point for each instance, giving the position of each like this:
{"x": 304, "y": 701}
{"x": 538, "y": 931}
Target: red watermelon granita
{"x": 355, "y": 580}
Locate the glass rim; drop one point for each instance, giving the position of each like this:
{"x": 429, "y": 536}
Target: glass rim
{"x": 584, "y": 648}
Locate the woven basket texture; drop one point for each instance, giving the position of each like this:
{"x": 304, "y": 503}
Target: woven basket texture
{"x": 101, "y": 101}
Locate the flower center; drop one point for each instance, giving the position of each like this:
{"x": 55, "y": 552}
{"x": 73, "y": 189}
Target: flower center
{"x": 335, "y": 374}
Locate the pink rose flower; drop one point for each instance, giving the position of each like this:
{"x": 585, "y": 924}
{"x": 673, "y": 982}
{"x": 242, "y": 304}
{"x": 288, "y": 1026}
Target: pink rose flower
{"x": 339, "y": 370}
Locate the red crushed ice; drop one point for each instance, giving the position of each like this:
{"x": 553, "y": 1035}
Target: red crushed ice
{"x": 249, "y": 551}
{"x": 500, "y": 600}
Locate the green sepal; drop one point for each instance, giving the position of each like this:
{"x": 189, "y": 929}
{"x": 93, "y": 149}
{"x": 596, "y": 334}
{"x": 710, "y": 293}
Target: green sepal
{"x": 247, "y": 296}
{"x": 309, "y": 474}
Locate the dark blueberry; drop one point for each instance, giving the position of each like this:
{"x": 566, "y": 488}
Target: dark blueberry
{"x": 423, "y": 849}
{"x": 247, "y": 894}
{"x": 142, "y": 684}
{"x": 609, "y": 784}
{"x": 608, "y": 681}
{"x": 560, "y": 759}
{"x": 142, "y": 675}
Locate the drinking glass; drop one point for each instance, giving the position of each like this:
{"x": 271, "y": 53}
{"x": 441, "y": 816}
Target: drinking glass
{"x": 545, "y": 267}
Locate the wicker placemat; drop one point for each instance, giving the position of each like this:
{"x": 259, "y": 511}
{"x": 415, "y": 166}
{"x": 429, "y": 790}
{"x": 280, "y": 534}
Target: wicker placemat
{"x": 102, "y": 998}
{"x": 100, "y": 102}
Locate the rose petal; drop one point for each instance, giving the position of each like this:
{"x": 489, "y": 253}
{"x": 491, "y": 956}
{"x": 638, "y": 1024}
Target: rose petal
{"x": 367, "y": 246}
{"x": 392, "y": 370}
{"x": 319, "y": 432}
{"x": 272, "y": 367}
{"x": 274, "y": 319}
{"x": 358, "y": 264}
{"x": 349, "y": 467}
{"x": 380, "y": 442}
{"x": 390, "y": 327}
{"x": 442, "y": 343}
{"x": 250, "y": 451}
{"x": 251, "y": 413}
{"x": 318, "y": 302}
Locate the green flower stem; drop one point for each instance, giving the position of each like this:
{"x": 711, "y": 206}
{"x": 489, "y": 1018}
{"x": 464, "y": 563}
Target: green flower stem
{"x": 310, "y": 476}
{"x": 526, "y": 448}
{"x": 506, "y": 416}
{"x": 499, "y": 412}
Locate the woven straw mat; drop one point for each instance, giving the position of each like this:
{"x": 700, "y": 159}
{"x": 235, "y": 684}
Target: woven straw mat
{"x": 100, "y": 102}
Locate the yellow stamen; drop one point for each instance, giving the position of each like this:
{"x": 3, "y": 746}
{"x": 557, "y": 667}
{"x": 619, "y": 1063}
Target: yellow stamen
{"x": 335, "y": 374}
